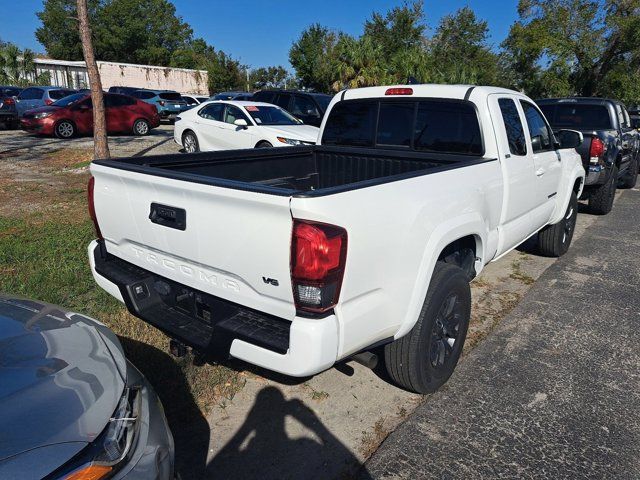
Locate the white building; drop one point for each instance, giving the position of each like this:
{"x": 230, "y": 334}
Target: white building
{"x": 65, "y": 73}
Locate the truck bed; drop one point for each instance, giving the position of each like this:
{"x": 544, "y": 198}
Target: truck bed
{"x": 295, "y": 171}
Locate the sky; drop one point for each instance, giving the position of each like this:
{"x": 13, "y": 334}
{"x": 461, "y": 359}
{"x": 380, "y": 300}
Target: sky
{"x": 260, "y": 32}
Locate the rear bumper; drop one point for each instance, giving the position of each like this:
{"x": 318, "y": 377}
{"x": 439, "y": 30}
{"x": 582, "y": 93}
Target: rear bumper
{"x": 217, "y": 327}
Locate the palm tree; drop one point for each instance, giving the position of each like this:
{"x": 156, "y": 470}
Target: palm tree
{"x": 17, "y": 67}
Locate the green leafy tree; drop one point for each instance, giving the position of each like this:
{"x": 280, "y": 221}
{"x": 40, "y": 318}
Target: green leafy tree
{"x": 139, "y": 31}
{"x": 269, "y": 77}
{"x": 573, "y": 46}
{"x": 460, "y": 52}
{"x": 59, "y": 30}
{"x": 313, "y": 56}
{"x": 133, "y": 31}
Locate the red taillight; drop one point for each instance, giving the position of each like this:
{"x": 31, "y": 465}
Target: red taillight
{"x": 9, "y": 101}
{"x": 318, "y": 256}
{"x": 92, "y": 208}
{"x": 399, "y": 91}
{"x": 48, "y": 101}
{"x": 596, "y": 150}
{"x": 161, "y": 102}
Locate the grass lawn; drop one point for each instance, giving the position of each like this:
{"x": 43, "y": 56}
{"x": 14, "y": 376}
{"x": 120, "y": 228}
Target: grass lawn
{"x": 44, "y": 233}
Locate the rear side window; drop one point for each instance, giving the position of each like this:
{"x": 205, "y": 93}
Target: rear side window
{"x": 213, "y": 111}
{"x": 58, "y": 94}
{"x": 170, "y": 96}
{"x": 448, "y": 127}
{"x": 304, "y": 106}
{"x": 539, "y": 132}
{"x": 31, "y": 94}
{"x": 9, "y": 92}
{"x": 351, "y": 123}
{"x": 395, "y": 124}
{"x": 266, "y": 97}
{"x": 577, "y": 116}
{"x": 118, "y": 101}
{"x": 513, "y": 126}
{"x": 283, "y": 100}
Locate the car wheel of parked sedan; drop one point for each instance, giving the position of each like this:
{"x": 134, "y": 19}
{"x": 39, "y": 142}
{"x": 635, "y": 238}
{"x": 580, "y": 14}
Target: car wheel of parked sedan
{"x": 65, "y": 129}
{"x": 424, "y": 359}
{"x": 190, "y": 142}
{"x": 141, "y": 127}
{"x": 554, "y": 240}
{"x": 264, "y": 144}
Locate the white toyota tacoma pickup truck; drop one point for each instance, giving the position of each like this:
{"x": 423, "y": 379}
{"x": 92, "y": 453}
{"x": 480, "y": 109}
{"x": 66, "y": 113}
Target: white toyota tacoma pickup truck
{"x": 295, "y": 259}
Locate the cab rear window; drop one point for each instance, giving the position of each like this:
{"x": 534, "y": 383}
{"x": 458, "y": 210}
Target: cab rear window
{"x": 170, "y": 96}
{"x": 577, "y": 116}
{"x": 429, "y": 125}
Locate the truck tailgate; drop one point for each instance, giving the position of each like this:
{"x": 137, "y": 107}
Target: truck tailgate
{"x": 232, "y": 244}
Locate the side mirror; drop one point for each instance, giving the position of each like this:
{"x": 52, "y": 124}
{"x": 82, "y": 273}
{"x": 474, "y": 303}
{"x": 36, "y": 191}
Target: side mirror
{"x": 241, "y": 122}
{"x": 569, "y": 138}
{"x": 536, "y": 143}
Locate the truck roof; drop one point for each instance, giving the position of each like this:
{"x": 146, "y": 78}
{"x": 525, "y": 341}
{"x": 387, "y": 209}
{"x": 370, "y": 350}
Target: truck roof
{"x": 589, "y": 100}
{"x": 433, "y": 90}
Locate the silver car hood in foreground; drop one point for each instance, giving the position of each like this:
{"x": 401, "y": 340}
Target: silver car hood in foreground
{"x": 61, "y": 377}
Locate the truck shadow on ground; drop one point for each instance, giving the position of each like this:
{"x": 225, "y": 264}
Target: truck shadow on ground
{"x": 189, "y": 427}
{"x": 262, "y": 449}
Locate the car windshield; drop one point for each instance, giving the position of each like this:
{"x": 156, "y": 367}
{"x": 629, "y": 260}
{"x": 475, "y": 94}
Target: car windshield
{"x": 70, "y": 100}
{"x": 577, "y": 116}
{"x": 268, "y": 115}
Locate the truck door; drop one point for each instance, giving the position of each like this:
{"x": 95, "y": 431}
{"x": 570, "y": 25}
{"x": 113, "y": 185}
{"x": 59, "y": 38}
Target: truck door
{"x": 627, "y": 136}
{"x": 518, "y": 171}
{"x": 546, "y": 160}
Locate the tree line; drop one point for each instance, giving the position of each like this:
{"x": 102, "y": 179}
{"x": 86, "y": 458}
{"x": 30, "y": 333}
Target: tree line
{"x": 555, "y": 47}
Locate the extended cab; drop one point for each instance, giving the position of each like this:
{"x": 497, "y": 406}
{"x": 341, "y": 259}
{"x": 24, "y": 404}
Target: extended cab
{"x": 294, "y": 259}
{"x": 610, "y": 150}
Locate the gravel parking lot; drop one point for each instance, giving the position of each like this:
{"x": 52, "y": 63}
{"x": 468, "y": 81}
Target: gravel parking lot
{"x": 21, "y": 145}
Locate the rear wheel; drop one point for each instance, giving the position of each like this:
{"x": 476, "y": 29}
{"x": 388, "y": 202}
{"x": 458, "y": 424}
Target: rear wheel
{"x": 424, "y": 359}
{"x": 554, "y": 240}
{"x": 141, "y": 127}
{"x": 190, "y": 142}
{"x": 629, "y": 180}
{"x": 264, "y": 144}
{"x": 65, "y": 129}
{"x": 601, "y": 200}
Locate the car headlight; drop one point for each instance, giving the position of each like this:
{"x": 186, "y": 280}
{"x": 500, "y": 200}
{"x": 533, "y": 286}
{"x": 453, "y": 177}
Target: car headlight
{"x": 103, "y": 457}
{"x": 38, "y": 116}
{"x": 293, "y": 141}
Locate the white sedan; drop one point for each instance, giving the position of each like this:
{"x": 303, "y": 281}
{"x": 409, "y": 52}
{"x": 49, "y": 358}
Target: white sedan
{"x": 228, "y": 125}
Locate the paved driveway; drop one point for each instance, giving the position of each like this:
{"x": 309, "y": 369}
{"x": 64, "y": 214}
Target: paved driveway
{"x": 554, "y": 391}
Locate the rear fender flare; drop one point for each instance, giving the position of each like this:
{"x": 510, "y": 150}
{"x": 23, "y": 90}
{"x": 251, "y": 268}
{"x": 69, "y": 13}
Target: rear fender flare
{"x": 446, "y": 233}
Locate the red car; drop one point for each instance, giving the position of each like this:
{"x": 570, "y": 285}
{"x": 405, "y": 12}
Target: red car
{"x": 73, "y": 115}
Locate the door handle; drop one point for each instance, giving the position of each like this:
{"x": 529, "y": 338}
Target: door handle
{"x": 540, "y": 172}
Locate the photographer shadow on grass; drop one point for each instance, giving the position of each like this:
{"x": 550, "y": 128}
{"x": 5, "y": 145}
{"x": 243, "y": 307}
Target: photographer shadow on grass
{"x": 261, "y": 448}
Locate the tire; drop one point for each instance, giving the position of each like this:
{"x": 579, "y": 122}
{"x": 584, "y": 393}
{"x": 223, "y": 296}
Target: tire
{"x": 630, "y": 179}
{"x": 424, "y": 359}
{"x": 65, "y": 129}
{"x": 601, "y": 199}
{"x": 190, "y": 142}
{"x": 264, "y": 144}
{"x": 554, "y": 240}
{"x": 141, "y": 127}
